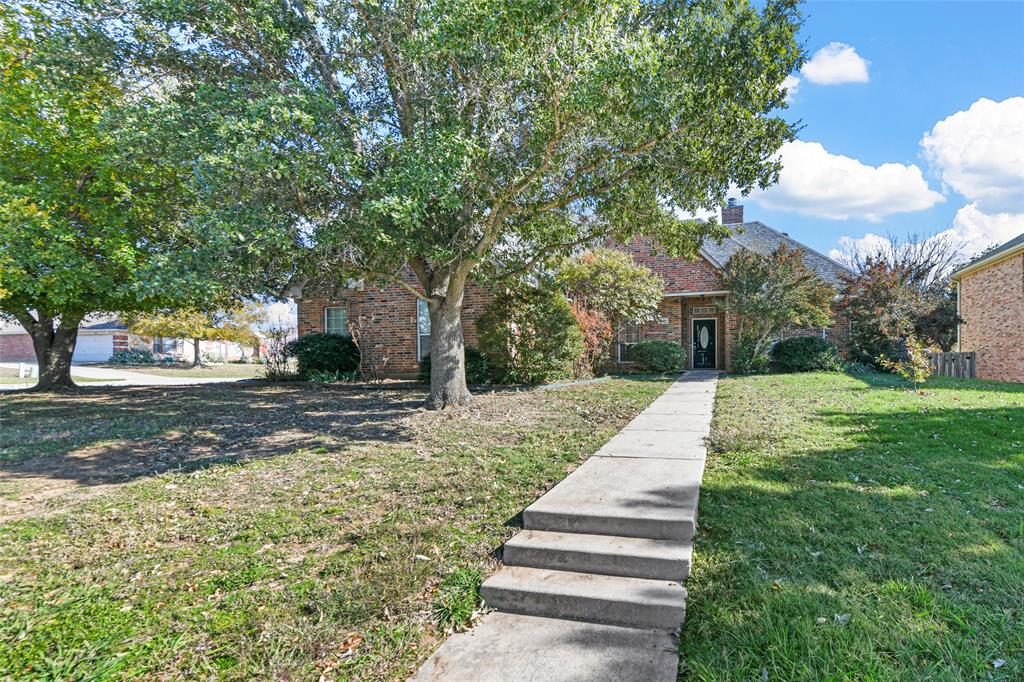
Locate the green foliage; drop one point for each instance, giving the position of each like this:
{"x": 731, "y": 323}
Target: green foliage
{"x": 747, "y": 358}
{"x": 330, "y": 353}
{"x": 530, "y": 336}
{"x": 135, "y": 356}
{"x": 770, "y": 295}
{"x": 913, "y": 364}
{"x": 458, "y": 599}
{"x": 658, "y": 356}
{"x": 805, "y": 354}
{"x": 468, "y": 135}
{"x": 609, "y": 282}
{"x": 478, "y": 370}
{"x": 886, "y": 306}
{"x": 857, "y": 368}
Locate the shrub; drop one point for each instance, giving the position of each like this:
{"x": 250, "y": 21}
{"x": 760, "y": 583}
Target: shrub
{"x": 530, "y": 336}
{"x": 324, "y": 376}
{"x": 597, "y": 338}
{"x": 658, "y": 356}
{"x": 858, "y": 368}
{"x": 478, "y": 370}
{"x": 913, "y": 365}
{"x": 805, "y": 354}
{"x": 746, "y": 359}
{"x": 324, "y": 353}
{"x": 136, "y": 356}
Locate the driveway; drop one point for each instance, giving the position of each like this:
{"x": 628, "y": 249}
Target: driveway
{"x": 105, "y": 376}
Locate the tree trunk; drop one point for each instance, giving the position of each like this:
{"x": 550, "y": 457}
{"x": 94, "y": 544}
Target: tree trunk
{"x": 54, "y": 348}
{"x": 196, "y": 361}
{"x": 447, "y": 352}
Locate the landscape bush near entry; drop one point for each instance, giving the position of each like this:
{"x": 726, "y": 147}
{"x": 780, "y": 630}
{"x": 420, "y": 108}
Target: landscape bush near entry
{"x": 658, "y": 356}
{"x": 805, "y": 354}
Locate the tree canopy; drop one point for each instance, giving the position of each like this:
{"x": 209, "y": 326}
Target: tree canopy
{"x": 233, "y": 324}
{"x": 468, "y": 136}
{"x": 771, "y": 295}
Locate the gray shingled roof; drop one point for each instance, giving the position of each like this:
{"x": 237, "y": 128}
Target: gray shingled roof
{"x": 759, "y": 238}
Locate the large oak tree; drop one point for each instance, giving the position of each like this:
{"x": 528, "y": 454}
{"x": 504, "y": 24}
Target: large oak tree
{"x": 469, "y": 138}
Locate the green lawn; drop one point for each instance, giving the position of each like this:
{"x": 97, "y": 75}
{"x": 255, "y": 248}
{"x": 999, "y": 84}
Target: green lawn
{"x": 851, "y": 529}
{"x": 225, "y": 371}
{"x": 287, "y": 522}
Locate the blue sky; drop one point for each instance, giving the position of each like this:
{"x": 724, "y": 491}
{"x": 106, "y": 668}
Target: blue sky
{"x": 881, "y": 78}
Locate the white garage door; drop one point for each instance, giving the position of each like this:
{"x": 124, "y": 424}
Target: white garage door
{"x": 93, "y": 348}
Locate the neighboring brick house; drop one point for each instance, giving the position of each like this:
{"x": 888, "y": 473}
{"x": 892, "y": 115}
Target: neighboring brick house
{"x": 692, "y": 312}
{"x": 990, "y": 299}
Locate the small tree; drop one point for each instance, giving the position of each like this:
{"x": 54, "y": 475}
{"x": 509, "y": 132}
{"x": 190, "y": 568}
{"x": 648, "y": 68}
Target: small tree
{"x": 913, "y": 366}
{"x": 901, "y": 289}
{"x": 770, "y": 295}
{"x": 608, "y": 289}
{"x": 232, "y": 325}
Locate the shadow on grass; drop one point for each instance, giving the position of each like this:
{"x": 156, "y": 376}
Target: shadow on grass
{"x": 113, "y": 434}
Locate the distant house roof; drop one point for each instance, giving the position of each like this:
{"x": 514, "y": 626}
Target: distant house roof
{"x": 759, "y": 238}
{"x": 1010, "y": 247}
{"x": 99, "y": 322}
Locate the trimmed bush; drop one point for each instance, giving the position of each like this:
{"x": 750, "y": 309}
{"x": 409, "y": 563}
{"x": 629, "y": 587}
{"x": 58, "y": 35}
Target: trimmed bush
{"x": 478, "y": 370}
{"x": 658, "y": 356}
{"x": 530, "y": 336}
{"x": 805, "y": 354}
{"x": 136, "y": 356}
{"x": 324, "y": 353}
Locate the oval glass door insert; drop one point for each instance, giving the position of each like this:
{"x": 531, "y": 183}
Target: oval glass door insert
{"x": 704, "y": 337}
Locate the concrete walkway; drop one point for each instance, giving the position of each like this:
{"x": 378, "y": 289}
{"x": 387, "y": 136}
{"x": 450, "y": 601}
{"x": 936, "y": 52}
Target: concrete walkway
{"x": 106, "y": 376}
{"x": 592, "y": 587}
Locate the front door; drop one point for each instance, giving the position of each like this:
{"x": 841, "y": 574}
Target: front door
{"x": 704, "y": 338}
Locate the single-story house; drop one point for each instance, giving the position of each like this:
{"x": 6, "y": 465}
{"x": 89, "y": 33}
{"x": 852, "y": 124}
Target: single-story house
{"x": 100, "y": 336}
{"x": 990, "y": 300}
{"x": 692, "y": 312}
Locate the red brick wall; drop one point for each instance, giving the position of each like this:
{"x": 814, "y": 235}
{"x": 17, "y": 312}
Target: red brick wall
{"x": 16, "y": 348}
{"x": 992, "y": 306}
{"x": 838, "y": 333}
{"x": 389, "y": 313}
{"x": 681, "y": 276}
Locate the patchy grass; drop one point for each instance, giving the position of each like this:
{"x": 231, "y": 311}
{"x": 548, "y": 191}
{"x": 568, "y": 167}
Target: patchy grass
{"x": 231, "y": 370}
{"x": 852, "y": 529}
{"x": 267, "y": 531}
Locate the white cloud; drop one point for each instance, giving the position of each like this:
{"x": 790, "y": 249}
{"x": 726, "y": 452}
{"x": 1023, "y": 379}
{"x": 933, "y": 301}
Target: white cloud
{"x": 791, "y": 84}
{"x": 836, "y": 63}
{"x": 817, "y": 183}
{"x": 979, "y": 230}
{"x": 980, "y": 153}
{"x": 972, "y": 229}
{"x": 850, "y": 247}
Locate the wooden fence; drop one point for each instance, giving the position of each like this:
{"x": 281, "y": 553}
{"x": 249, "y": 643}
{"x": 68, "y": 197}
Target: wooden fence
{"x": 961, "y": 365}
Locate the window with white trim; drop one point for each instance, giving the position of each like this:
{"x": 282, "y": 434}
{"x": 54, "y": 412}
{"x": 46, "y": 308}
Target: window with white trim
{"x": 336, "y": 320}
{"x": 629, "y": 336}
{"x": 163, "y": 344}
{"x": 422, "y": 330}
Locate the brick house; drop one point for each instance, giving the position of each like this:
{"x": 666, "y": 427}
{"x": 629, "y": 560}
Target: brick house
{"x": 990, "y": 299}
{"x": 691, "y": 313}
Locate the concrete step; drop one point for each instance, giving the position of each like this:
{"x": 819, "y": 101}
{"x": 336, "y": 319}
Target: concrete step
{"x": 507, "y": 647}
{"x": 601, "y": 554}
{"x": 623, "y": 496}
{"x": 610, "y": 600}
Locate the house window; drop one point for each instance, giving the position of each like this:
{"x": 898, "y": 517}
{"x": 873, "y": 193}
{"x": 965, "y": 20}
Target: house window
{"x": 422, "y": 330}
{"x": 336, "y": 321}
{"x": 163, "y": 344}
{"x": 629, "y": 336}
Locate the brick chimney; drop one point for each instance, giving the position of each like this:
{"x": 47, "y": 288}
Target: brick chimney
{"x": 732, "y": 213}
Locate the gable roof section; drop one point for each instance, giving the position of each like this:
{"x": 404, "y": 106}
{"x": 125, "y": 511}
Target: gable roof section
{"x": 759, "y": 238}
{"x": 1007, "y": 249}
